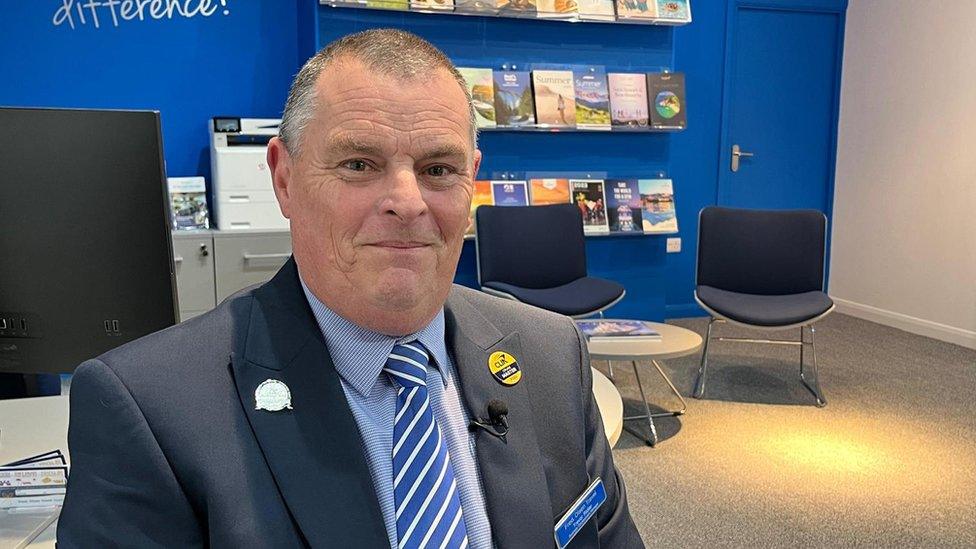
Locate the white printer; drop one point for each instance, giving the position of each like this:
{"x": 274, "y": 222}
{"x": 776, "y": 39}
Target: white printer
{"x": 242, "y": 192}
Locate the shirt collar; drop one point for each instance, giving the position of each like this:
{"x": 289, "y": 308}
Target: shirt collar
{"x": 360, "y": 354}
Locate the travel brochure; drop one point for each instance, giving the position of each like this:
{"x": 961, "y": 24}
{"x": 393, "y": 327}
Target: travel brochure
{"x": 666, "y": 90}
{"x": 36, "y": 481}
{"x": 188, "y": 203}
{"x": 616, "y": 330}
{"x": 665, "y": 12}
{"x": 482, "y": 90}
{"x": 578, "y": 97}
{"x": 618, "y": 206}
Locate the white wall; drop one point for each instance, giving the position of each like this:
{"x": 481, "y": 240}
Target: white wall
{"x": 904, "y": 234}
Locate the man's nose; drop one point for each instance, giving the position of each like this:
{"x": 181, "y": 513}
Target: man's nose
{"x": 405, "y": 199}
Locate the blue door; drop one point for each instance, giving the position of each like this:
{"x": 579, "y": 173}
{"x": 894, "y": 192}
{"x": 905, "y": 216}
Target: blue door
{"x": 782, "y": 87}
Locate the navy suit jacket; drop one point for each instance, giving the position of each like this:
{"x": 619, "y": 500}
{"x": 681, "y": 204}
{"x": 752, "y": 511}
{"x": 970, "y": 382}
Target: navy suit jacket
{"x": 168, "y": 450}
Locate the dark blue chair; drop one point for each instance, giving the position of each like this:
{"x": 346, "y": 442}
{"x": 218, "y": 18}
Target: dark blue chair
{"x": 537, "y": 255}
{"x": 763, "y": 269}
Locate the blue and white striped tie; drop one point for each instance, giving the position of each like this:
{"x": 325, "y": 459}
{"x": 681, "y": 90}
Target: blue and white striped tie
{"x": 428, "y": 507}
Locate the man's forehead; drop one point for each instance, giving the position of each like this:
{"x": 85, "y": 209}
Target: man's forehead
{"x": 347, "y": 79}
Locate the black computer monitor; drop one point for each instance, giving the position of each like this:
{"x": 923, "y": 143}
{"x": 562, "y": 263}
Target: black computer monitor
{"x": 85, "y": 247}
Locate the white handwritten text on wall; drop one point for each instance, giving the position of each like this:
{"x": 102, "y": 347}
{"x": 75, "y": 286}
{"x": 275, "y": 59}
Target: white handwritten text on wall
{"x": 114, "y": 12}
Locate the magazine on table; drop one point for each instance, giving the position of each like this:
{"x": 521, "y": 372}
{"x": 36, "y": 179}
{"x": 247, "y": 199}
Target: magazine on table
{"x": 616, "y": 330}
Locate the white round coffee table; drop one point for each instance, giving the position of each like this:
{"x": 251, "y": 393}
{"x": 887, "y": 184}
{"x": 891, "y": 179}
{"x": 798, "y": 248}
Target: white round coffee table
{"x": 675, "y": 342}
{"x": 610, "y": 404}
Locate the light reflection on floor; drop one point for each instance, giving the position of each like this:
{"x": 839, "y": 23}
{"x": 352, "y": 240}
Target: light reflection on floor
{"x": 850, "y": 458}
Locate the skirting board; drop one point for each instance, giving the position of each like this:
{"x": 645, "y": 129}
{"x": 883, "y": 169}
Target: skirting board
{"x": 927, "y": 328}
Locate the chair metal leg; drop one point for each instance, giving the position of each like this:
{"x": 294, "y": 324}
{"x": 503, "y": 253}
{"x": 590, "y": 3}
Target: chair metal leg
{"x": 815, "y": 389}
{"x": 648, "y": 415}
{"x": 700, "y": 384}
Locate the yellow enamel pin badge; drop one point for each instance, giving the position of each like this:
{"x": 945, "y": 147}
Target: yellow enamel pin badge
{"x": 505, "y": 368}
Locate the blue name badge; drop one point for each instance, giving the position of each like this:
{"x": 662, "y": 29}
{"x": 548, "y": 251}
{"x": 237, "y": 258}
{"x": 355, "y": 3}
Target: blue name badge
{"x": 581, "y": 511}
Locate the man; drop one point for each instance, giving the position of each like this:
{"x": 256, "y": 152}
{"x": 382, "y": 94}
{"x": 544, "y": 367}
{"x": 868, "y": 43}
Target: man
{"x": 330, "y": 407}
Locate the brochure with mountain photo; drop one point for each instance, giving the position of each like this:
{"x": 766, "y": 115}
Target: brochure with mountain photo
{"x": 480, "y": 84}
{"x": 555, "y": 98}
{"x": 623, "y": 206}
{"x": 588, "y": 196}
{"x": 666, "y": 91}
{"x": 658, "y": 214}
{"x": 513, "y": 98}
{"x": 592, "y": 98}
{"x": 628, "y": 99}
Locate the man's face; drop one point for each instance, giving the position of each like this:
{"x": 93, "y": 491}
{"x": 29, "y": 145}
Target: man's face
{"x": 379, "y": 197}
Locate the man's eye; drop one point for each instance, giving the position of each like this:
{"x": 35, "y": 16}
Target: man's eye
{"x": 356, "y": 165}
{"x": 438, "y": 171}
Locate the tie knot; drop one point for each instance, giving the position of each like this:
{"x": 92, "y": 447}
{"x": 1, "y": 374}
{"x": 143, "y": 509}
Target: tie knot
{"x": 408, "y": 364}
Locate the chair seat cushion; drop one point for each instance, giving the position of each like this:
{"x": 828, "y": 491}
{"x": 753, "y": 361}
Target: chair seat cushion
{"x": 765, "y": 310}
{"x": 581, "y": 296}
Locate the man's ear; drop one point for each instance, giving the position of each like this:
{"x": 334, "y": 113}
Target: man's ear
{"x": 477, "y": 164}
{"x": 282, "y": 170}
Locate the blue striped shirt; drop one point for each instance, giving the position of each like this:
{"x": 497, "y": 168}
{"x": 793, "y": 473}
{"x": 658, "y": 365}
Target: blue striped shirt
{"x": 359, "y": 356}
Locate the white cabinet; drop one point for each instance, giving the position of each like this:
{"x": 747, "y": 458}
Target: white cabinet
{"x": 212, "y": 265}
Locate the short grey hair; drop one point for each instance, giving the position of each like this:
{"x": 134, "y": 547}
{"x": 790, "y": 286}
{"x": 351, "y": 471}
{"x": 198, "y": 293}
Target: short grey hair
{"x": 390, "y": 52}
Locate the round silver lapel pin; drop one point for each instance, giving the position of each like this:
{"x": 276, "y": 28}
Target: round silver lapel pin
{"x": 273, "y": 396}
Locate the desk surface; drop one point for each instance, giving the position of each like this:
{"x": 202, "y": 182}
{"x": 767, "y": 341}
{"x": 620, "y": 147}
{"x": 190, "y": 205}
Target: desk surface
{"x": 30, "y": 426}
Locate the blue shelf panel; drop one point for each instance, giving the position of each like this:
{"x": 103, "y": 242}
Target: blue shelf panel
{"x": 569, "y": 19}
{"x": 493, "y": 42}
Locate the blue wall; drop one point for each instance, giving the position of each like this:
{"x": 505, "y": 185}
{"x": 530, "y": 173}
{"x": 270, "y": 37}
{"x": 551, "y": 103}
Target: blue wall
{"x": 699, "y": 51}
{"x": 188, "y": 68}
{"x": 241, "y": 63}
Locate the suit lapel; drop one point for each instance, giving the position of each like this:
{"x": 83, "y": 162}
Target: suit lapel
{"x": 314, "y": 450}
{"x": 514, "y": 481}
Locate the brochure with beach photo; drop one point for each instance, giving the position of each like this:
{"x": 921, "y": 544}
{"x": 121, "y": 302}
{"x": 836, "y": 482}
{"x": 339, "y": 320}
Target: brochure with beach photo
{"x": 555, "y": 98}
{"x": 658, "y": 213}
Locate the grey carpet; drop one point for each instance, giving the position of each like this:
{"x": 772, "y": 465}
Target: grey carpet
{"x": 890, "y": 461}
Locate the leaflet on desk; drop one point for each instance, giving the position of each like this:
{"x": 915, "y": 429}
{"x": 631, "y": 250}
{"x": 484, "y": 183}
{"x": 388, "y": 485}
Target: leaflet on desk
{"x": 30, "y": 486}
{"x": 53, "y": 458}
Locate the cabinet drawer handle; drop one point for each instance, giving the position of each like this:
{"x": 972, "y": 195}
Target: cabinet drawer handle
{"x": 248, "y": 257}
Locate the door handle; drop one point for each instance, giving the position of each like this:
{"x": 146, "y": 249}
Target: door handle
{"x": 738, "y": 153}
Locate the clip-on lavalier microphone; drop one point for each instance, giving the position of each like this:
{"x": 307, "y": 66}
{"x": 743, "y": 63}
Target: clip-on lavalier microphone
{"x": 497, "y": 423}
